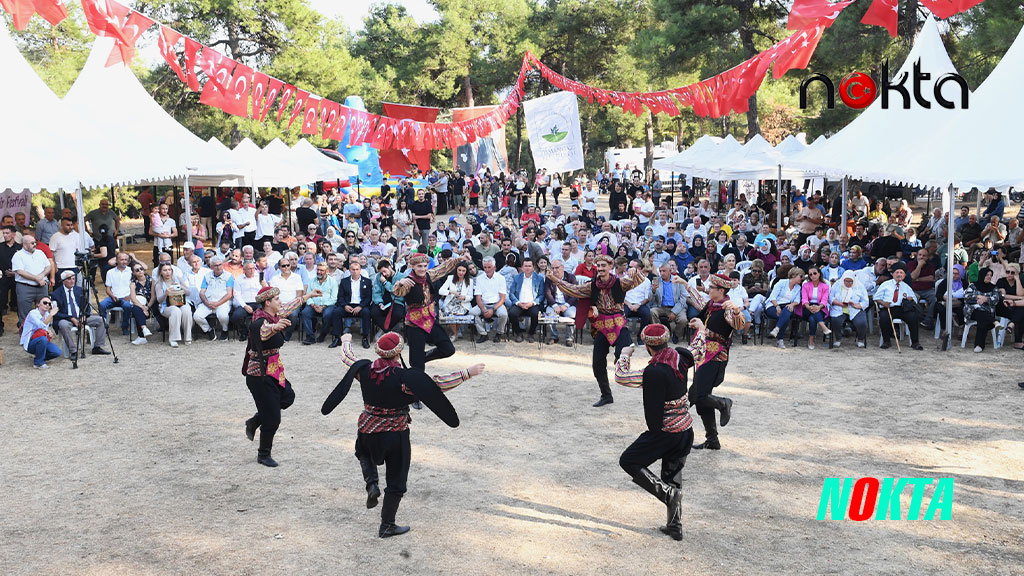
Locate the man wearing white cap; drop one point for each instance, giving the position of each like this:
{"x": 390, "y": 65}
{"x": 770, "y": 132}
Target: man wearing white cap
{"x": 71, "y": 305}
{"x": 185, "y": 260}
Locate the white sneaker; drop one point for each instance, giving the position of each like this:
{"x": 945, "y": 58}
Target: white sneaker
{"x": 146, "y": 333}
{"x": 860, "y": 344}
{"x": 782, "y": 344}
{"x": 43, "y": 367}
{"x": 188, "y": 342}
{"x": 977, "y": 349}
{"x": 810, "y": 346}
{"x": 836, "y": 344}
{"x": 174, "y": 344}
{"x": 774, "y": 332}
{"x": 139, "y": 341}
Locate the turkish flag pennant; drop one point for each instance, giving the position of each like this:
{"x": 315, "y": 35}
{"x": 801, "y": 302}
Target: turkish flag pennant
{"x": 329, "y": 111}
{"x": 274, "y": 87}
{"x": 105, "y": 18}
{"x": 299, "y": 106}
{"x": 133, "y": 27}
{"x": 382, "y": 135}
{"x": 311, "y": 115}
{"x": 168, "y": 39}
{"x": 798, "y": 52}
{"x": 236, "y": 95}
{"x": 404, "y": 155}
{"x": 341, "y": 124}
{"x": 53, "y": 11}
{"x": 260, "y": 82}
{"x": 883, "y": 13}
{"x": 964, "y": 5}
{"x": 21, "y": 11}
{"x": 218, "y": 69}
{"x": 191, "y": 58}
{"x": 361, "y": 125}
{"x": 808, "y": 13}
{"x": 287, "y": 92}
{"x": 944, "y": 8}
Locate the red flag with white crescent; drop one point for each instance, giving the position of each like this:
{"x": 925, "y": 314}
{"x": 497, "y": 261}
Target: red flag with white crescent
{"x": 808, "y": 13}
{"x": 299, "y": 105}
{"x": 329, "y": 111}
{"x": 236, "y": 96}
{"x": 191, "y": 59}
{"x": 287, "y": 92}
{"x": 883, "y": 13}
{"x": 105, "y": 18}
{"x": 274, "y": 87}
{"x": 798, "y": 51}
{"x": 311, "y": 115}
{"x": 167, "y": 40}
{"x": 401, "y": 158}
{"x": 53, "y": 11}
{"x": 133, "y": 27}
{"x": 218, "y": 69}
{"x": 21, "y": 11}
{"x": 259, "y": 92}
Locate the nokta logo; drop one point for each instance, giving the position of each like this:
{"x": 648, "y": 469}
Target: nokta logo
{"x": 869, "y": 497}
{"x": 858, "y": 90}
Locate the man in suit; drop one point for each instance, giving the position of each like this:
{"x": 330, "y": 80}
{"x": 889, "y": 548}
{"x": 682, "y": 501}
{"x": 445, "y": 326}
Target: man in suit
{"x": 558, "y": 303}
{"x": 526, "y": 297}
{"x": 71, "y": 305}
{"x": 668, "y": 302}
{"x": 355, "y": 294}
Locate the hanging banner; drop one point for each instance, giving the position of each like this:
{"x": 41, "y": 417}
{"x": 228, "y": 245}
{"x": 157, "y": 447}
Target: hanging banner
{"x": 11, "y": 203}
{"x": 553, "y": 125}
{"x": 486, "y": 152}
{"x": 401, "y": 159}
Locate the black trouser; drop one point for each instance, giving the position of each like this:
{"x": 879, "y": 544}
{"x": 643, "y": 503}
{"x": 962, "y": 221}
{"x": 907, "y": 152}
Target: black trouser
{"x": 380, "y": 316}
{"x": 986, "y": 320}
{"x": 393, "y": 450}
{"x": 8, "y": 296}
{"x": 669, "y": 447}
{"x": 705, "y": 379}
{"x": 145, "y": 226}
{"x": 909, "y": 315}
{"x": 241, "y": 319}
{"x": 542, "y": 193}
{"x": 515, "y": 313}
{"x": 556, "y": 192}
{"x": 270, "y": 399}
{"x": 418, "y": 339}
{"x": 340, "y": 314}
{"x": 958, "y": 311}
{"x": 1015, "y": 315}
{"x": 601, "y": 347}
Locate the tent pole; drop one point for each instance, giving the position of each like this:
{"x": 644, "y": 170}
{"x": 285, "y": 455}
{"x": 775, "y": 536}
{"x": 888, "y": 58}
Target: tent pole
{"x": 188, "y": 209}
{"x": 288, "y": 206}
{"x": 82, "y": 245}
{"x": 60, "y": 196}
{"x": 949, "y": 265}
{"x": 778, "y": 207}
{"x": 845, "y": 215}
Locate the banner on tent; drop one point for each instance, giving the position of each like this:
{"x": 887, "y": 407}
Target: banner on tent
{"x": 487, "y": 151}
{"x": 12, "y": 203}
{"x": 553, "y": 125}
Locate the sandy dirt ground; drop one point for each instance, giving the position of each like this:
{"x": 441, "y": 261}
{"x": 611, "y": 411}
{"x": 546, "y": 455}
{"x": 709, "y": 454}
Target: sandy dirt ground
{"x": 143, "y": 468}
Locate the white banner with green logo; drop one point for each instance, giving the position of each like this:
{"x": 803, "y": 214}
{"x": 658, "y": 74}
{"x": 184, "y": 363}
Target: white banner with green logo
{"x": 553, "y": 125}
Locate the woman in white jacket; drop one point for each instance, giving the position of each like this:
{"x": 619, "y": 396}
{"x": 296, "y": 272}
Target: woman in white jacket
{"x": 457, "y": 292}
{"x": 849, "y": 302}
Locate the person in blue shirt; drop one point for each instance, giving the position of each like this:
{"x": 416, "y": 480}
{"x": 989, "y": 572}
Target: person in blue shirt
{"x": 995, "y": 207}
{"x": 35, "y": 337}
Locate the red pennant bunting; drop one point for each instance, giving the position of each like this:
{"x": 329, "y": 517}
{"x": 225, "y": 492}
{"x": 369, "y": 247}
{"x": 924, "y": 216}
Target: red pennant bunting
{"x": 53, "y": 11}
{"x": 287, "y": 92}
{"x": 274, "y": 87}
{"x": 808, "y": 13}
{"x": 329, "y": 111}
{"x": 260, "y": 82}
{"x": 105, "y": 18}
{"x": 218, "y": 69}
{"x": 167, "y": 40}
{"x": 361, "y": 126}
{"x": 191, "y": 58}
{"x": 236, "y": 94}
{"x": 341, "y": 124}
{"x": 21, "y": 11}
{"x": 299, "y": 106}
{"x": 883, "y": 13}
{"x": 133, "y": 27}
{"x": 311, "y": 115}
{"x": 800, "y": 47}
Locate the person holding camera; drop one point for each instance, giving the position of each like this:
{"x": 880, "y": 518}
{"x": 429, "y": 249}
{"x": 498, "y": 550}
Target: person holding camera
{"x": 35, "y": 333}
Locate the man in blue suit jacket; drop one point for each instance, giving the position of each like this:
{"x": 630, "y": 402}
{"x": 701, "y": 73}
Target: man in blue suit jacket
{"x": 69, "y": 313}
{"x": 352, "y": 305}
{"x": 526, "y": 296}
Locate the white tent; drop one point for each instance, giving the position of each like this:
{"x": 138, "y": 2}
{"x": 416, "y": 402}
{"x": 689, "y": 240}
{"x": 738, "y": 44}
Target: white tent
{"x": 140, "y": 141}
{"x": 682, "y": 162}
{"x": 43, "y": 145}
{"x": 269, "y": 168}
{"x": 980, "y": 147}
{"x": 878, "y": 141}
{"x": 308, "y": 160}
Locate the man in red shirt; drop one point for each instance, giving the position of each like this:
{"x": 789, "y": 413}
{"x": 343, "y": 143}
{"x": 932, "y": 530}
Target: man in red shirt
{"x": 146, "y": 201}
{"x": 922, "y": 281}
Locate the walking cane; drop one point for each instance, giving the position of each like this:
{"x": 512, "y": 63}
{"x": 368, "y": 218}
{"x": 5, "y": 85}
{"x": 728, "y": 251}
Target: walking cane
{"x": 895, "y": 334}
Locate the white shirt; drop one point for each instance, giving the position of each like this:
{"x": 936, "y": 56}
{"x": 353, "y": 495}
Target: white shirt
{"x": 245, "y": 218}
{"x": 119, "y": 281}
{"x": 289, "y": 287}
{"x": 33, "y": 263}
{"x": 354, "y": 299}
{"x": 692, "y": 231}
{"x": 644, "y": 206}
{"x": 490, "y": 289}
{"x": 194, "y": 280}
{"x": 265, "y": 224}
{"x": 63, "y": 247}
{"x": 246, "y": 289}
{"x": 526, "y": 291}
{"x": 639, "y": 293}
{"x": 589, "y": 199}
{"x": 162, "y": 226}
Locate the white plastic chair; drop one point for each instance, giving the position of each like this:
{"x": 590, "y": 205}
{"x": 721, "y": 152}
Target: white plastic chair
{"x": 90, "y": 338}
{"x": 899, "y": 325}
{"x": 996, "y": 343}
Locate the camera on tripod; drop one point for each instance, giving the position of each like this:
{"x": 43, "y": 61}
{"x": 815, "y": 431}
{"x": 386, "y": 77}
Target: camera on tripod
{"x": 82, "y": 259}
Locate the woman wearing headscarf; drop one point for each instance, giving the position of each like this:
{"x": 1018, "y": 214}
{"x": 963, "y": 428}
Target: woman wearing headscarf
{"x": 697, "y": 248}
{"x": 765, "y": 253}
{"x": 680, "y": 254}
{"x": 803, "y": 260}
{"x": 980, "y": 301}
{"x": 849, "y": 300}
{"x": 956, "y": 288}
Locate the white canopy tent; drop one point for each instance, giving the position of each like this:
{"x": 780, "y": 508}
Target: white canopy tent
{"x": 879, "y": 140}
{"x": 682, "y": 162}
{"x": 308, "y": 160}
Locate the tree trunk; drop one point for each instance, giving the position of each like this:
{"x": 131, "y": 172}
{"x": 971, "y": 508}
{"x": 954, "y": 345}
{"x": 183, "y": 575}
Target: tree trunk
{"x": 648, "y": 145}
{"x": 519, "y": 138}
{"x": 467, "y": 90}
{"x": 679, "y": 133}
{"x": 908, "y": 21}
{"x": 587, "y": 125}
{"x": 749, "y": 50}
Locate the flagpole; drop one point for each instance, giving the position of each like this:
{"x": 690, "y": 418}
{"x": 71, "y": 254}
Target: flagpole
{"x": 778, "y": 205}
{"x": 188, "y": 206}
{"x": 82, "y": 245}
{"x": 949, "y": 266}
{"x": 845, "y": 215}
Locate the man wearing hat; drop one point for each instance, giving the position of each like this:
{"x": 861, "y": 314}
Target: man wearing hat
{"x": 602, "y": 300}
{"x": 420, "y": 295}
{"x": 713, "y": 327}
{"x": 890, "y": 297}
{"x": 71, "y": 306}
{"x": 383, "y": 438}
{"x": 669, "y": 434}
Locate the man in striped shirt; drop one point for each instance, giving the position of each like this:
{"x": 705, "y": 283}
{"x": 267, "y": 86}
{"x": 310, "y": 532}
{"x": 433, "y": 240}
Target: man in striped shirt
{"x": 669, "y": 434}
